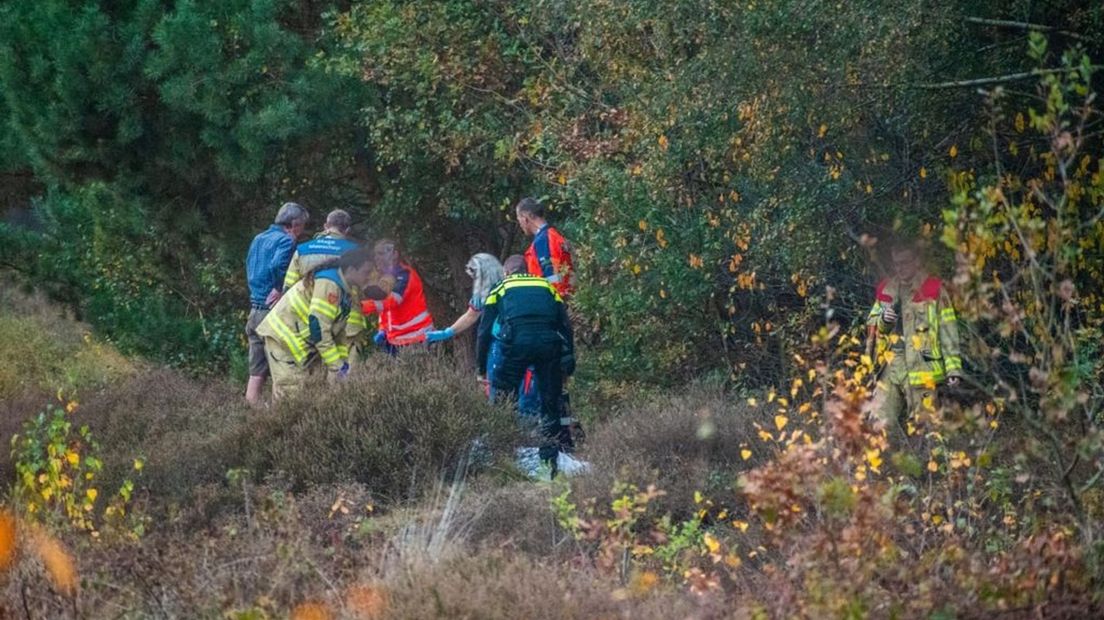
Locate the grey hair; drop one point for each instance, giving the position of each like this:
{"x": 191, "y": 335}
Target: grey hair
{"x": 290, "y": 213}
{"x": 486, "y": 272}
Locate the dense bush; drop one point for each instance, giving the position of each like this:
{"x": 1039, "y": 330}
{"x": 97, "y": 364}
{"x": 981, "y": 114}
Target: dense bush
{"x": 713, "y": 164}
{"x": 400, "y": 426}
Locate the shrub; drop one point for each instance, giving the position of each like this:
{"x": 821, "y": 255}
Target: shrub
{"x": 682, "y": 443}
{"x": 402, "y": 424}
{"x": 44, "y": 351}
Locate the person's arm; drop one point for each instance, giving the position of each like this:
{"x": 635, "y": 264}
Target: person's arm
{"x": 293, "y": 274}
{"x": 466, "y": 321}
{"x": 281, "y": 258}
{"x": 323, "y": 314}
{"x": 485, "y": 335}
{"x": 949, "y": 342}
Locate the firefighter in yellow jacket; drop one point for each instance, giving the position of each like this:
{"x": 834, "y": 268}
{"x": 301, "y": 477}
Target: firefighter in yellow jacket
{"x": 306, "y": 329}
{"x": 916, "y": 331}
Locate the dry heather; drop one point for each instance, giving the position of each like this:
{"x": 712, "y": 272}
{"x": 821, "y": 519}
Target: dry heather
{"x": 681, "y": 443}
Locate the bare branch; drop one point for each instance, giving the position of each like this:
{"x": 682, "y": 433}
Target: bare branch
{"x": 1006, "y": 23}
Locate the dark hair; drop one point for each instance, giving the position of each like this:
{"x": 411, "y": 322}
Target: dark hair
{"x": 514, "y": 264}
{"x": 532, "y": 206}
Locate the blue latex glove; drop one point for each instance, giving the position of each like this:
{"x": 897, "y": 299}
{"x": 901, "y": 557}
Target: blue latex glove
{"x": 440, "y": 335}
{"x": 380, "y": 338}
{"x": 343, "y": 372}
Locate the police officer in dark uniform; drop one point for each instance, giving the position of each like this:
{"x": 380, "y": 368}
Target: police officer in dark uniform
{"x": 529, "y": 319}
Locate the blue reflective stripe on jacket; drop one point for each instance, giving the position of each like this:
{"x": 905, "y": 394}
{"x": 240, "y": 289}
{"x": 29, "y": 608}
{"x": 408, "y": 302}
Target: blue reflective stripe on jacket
{"x": 267, "y": 262}
{"x": 329, "y": 246}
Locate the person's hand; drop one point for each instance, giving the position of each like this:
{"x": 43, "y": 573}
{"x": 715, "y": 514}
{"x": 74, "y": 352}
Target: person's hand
{"x": 440, "y": 335}
{"x": 273, "y": 296}
{"x": 343, "y": 372}
{"x": 373, "y": 292}
{"x": 954, "y": 381}
{"x": 380, "y": 338}
{"x": 889, "y": 315}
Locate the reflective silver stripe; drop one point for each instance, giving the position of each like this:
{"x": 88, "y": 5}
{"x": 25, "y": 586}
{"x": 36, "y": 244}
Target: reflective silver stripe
{"x": 412, "y": 337}
{"x": 412, "y": 322}
{"x": 554, "y": 278}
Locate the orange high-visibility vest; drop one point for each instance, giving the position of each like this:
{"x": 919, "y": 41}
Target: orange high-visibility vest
{"x": 549, "y": 257}
{"x": 404, "y": 316}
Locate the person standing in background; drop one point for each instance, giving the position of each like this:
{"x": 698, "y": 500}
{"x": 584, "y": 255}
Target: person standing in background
{"x": 266, "y": 267}
{"x": 549, "y": 255}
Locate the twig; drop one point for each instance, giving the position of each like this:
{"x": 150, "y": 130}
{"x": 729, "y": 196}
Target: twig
{"x": 999, "y": 79}
{"x": 1007, "y": 23}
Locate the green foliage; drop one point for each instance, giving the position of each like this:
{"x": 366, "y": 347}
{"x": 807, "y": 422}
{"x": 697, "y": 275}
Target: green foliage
{"x": 714, "y": 164}
{"x": 57, "y": 482}
{"x": 43, "y": 352}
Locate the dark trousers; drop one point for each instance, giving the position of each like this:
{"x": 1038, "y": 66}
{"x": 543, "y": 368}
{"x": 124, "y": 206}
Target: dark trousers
{"x": 540, "y": 351}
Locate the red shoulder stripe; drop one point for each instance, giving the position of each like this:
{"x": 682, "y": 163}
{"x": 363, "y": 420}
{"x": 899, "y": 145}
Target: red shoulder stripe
{"x": 929, "y": 290}
{"x": 879, "y": 292}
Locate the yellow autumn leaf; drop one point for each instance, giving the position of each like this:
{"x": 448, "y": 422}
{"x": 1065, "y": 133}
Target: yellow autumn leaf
{"x": 923, "y": 172}
{"x": 711, "y": 543}
{"x": 780, "y": 421}
{"x": 741, "y": 525}
{"x": 822, "y": 131}
{"x": 91, "y": 494}
{"x": 72, "y": 457}
{"x": 953, "y": 152}
{"x": 138, "y": 464}
{"x": 745, "y": 454}
{"x": 933, "y": 466}
{"x": 662, "y": 142}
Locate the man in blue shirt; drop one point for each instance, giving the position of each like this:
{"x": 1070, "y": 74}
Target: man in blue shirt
{"x": 265, "y": 268}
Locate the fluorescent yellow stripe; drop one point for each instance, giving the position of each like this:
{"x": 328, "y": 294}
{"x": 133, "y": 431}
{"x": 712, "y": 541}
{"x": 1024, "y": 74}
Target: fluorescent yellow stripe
{"x": 323, "y": 307}
{"x": 948, "y": 315}
{"x": 357, "y": 319}
{"x": 295, "y": 345}
{"x": 299, "y": 305}
{"x": 291, "y": 278}
{"x": 953, "y": 363}
{"x": 331, "y": 355}
{"x": 343, "y": 350}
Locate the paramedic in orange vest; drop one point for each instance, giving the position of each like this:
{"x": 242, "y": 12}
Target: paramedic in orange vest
{"x": 404, "y": 318}
{"x": 549, "y": 256}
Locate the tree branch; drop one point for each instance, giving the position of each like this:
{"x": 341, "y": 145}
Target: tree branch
{"x": 1006, "y": 23}
{"x": 1011, "y": 77}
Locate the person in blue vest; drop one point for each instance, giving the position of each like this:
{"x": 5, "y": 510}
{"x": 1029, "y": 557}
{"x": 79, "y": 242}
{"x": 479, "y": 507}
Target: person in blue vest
{"x": 332, "y": 242}
{"x": 265, "y": 269}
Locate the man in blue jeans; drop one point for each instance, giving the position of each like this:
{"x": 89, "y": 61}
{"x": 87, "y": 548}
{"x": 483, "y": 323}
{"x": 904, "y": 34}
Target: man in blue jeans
{"x": 265, "y": 268}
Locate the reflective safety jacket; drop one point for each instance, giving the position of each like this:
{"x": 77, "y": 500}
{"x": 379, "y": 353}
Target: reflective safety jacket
{"x": 549, "y": 257}
{"x": 403, "y": 315}
{"x": 926, "y": 332}
{"x": 310, "y": 254}
{"x": 311, "y": 319}
{"x": 521, "y": 302}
